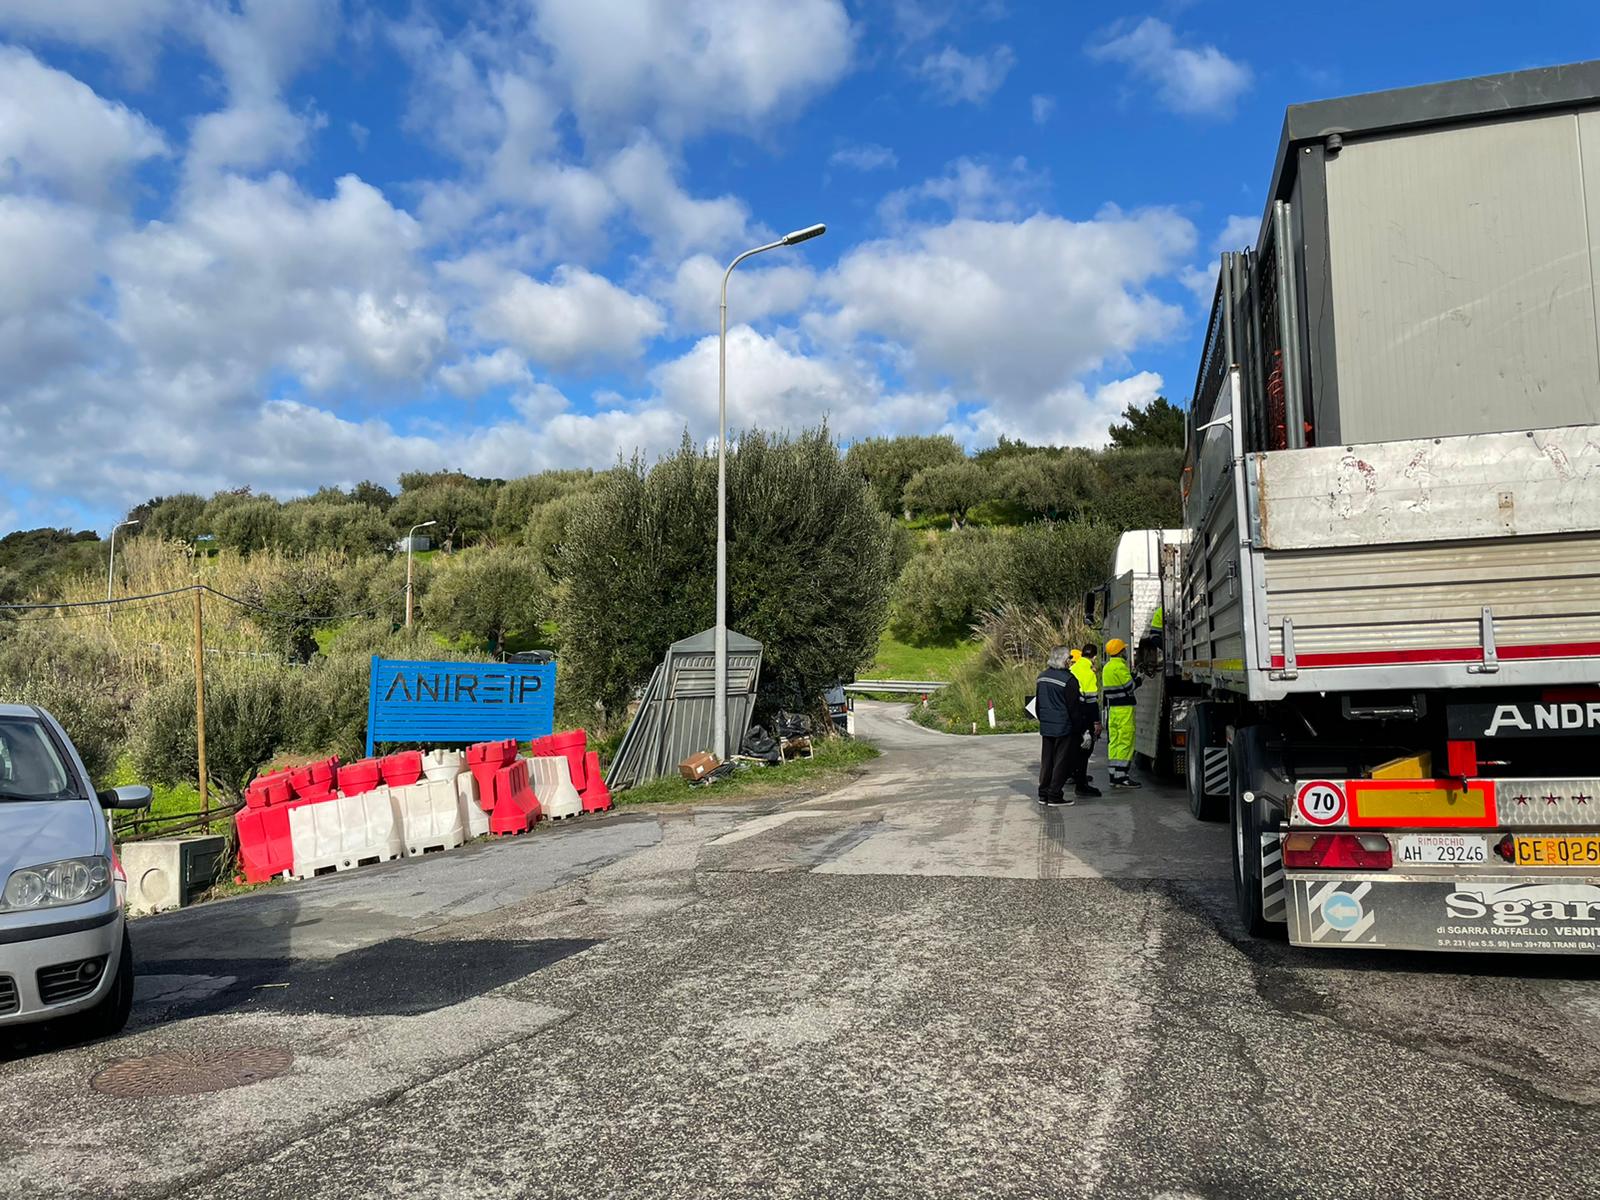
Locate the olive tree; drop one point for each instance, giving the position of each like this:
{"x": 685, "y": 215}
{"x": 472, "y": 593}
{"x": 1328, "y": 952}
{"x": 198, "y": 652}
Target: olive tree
{"x": 809, "y": 567}
{"x": 489, "y": 594}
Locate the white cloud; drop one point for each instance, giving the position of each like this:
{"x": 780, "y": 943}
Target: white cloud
{"x": 754, "y": 293}
{"x": 55, "y": 133}
{"x": 1012, "y": 310}
{"x": 260, "y": 276}
{"x": 683, "y": 66}
{"x": 1072, "y": 415}
{"x": 49, "y": 255}
{"x": 1239, "y": 232}
{"x": 1043, "y": 108}
{"x": 967, "y": 189}
{"x": 956, "y": 78}
{"x": 482, "y": 372}
{"x": 1196, "y": 80}
{"x": 675, "y": 222}
{"x": 769, "y": 385}
{"x": 868, "y": 157}
{"x": 578, "y": 317}
{"x": 123, "y": 28}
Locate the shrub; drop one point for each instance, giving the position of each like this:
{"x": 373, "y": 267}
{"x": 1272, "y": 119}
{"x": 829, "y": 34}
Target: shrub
{"x": 942, "y": 590}
{"x": 79, "y": 682}
{"x": 492, "y": 592}
{"x": 1051, "y": 564}
{"x": 252, "y": 713}
{"x": 954, "y": 489}
{"x": 887, "y": 464}
{"x": 808, "y": 567}
{"x": 291, "y": 602}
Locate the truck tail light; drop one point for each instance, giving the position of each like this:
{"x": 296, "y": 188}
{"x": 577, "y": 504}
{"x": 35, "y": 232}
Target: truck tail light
{"x": 1180, "y": 738}
{"x": 1338, "y": 851}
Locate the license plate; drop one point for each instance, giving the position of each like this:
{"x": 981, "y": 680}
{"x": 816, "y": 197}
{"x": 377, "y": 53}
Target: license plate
{"x": 1443, "y": 848}
{"x": 1558, "y": 851}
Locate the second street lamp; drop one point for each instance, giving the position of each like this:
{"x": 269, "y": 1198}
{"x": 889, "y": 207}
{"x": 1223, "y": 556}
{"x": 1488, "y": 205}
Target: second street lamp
{"x": 111, "y": 567}
{"x": 410, "y": 544}
{"x": 719, "y": 702}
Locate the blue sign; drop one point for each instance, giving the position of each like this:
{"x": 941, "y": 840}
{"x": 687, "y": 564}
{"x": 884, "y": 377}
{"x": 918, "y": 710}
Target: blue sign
{"x": 459, "y": 702}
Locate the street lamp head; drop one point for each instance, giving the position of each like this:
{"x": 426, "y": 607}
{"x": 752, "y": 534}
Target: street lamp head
{"x": 804, "y": 235}
{"x": 425, "y": 524}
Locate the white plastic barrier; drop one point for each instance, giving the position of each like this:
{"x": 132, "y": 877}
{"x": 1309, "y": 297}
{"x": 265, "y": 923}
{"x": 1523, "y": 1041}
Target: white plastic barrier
{"x": 473, "y": 819}
{"x": 344, "y": 832}
{"x": 443, "y": 764}
{"x": 430, "y": 816}
{"x": 552, "y": 783}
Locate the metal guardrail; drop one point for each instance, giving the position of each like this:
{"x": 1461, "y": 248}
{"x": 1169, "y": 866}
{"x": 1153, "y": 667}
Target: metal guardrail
{"x": 903, "y": 687}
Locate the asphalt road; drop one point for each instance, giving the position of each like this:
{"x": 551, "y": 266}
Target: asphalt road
{"x": 921, "y": 984}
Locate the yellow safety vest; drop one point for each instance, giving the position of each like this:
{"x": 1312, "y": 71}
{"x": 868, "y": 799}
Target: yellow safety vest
{"x": 1088, "y": 682}
{"x": 1155, "y": 619}
{"x": 1118, "y": 681}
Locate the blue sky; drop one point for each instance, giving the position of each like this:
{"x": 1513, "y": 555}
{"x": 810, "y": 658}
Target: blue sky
{"x": 298, "y": 242}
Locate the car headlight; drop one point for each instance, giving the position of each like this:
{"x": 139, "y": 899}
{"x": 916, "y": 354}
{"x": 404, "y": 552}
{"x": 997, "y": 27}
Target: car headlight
{"x": 69, "y": 881}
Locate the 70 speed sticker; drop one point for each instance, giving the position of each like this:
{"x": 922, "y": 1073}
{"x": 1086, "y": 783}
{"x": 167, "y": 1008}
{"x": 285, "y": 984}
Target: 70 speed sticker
{"x": 1320, "y": 802}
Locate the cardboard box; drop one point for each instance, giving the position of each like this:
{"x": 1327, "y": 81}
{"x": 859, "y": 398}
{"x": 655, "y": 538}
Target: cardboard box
{"x": 697, "y": 766}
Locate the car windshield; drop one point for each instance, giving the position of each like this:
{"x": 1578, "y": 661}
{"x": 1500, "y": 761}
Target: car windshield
{"x": 30, "y": 767}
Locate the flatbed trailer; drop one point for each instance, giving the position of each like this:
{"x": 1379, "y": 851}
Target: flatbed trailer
{"x": 1386, "y": 635}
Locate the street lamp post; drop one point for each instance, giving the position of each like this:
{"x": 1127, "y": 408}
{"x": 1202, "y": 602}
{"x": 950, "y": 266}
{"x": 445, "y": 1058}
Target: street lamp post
{"x": 719, "y": 703}
{"x": 410, "y": 542}
{"x": 111, "y": 566}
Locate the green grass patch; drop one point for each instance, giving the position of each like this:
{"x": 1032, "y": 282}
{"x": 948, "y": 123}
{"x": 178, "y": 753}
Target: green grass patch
{"x": 903, "y": 660}
{"x": 165, "y": 801}
{"x": 834, "y": 759}
{"x": 977, "y": 684}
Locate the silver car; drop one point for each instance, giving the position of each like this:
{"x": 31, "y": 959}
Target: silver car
{"x": 64, "y": 949}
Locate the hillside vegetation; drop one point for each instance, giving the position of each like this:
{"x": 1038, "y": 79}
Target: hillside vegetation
{"x": 906, "y": 547}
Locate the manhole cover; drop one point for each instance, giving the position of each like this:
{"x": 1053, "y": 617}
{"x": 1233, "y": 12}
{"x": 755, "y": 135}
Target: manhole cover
{"x": 190, "y": 1072}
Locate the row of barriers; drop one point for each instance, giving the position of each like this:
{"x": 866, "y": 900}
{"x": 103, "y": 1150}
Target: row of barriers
{"x": 330, "y": 817}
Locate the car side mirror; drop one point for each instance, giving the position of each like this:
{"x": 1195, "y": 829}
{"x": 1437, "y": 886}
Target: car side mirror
{"x": 1088, "y": 607}
{"x": 133, "y": 796}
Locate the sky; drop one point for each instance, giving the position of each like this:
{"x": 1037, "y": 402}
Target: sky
{"x": 293, "y": 243}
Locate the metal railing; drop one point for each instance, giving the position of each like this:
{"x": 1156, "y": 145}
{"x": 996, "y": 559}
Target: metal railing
{"x": 899, "y": 687}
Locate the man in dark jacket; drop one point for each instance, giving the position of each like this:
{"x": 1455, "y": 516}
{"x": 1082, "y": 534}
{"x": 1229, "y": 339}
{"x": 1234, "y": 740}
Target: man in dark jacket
{"x": 1061, "y": 709}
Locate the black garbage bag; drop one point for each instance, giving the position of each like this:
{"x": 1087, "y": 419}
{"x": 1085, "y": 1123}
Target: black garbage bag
{"x": 792, "y": 725}
{"x": 758, "y": 743}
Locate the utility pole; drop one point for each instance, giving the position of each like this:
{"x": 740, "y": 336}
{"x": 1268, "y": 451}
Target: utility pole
{"x": 719, "y": 702}
{"x": 200, "y": 701}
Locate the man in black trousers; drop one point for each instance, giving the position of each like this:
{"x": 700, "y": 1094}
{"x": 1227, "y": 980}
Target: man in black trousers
{"x": 1061, "y": 708}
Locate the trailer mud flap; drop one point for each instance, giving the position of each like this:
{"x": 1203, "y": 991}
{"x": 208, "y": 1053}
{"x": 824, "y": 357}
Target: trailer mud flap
{"x": 1550, "y": 916}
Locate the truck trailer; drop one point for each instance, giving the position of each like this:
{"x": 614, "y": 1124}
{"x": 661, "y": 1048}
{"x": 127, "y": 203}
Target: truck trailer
{"x": 1379, "y": 652}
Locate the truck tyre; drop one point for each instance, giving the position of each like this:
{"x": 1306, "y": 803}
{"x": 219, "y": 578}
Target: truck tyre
{"x": 1203, "y": 733}
{"x": 1245, "y": 770}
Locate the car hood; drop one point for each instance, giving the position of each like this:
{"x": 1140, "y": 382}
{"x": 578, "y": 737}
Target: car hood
{"x": 39, "y": 832}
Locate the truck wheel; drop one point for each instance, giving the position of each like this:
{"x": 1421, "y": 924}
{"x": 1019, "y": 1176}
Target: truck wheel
{"x": 1212, "y": 806}
{"x": 111, "y": 1014}
{"x": 1244, "y": 772}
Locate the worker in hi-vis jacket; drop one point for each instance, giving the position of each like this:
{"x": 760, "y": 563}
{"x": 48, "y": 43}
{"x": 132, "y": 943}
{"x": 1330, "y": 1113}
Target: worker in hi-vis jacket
{"x": 1089, "y": 689}
{"x": 1117, "y": 684}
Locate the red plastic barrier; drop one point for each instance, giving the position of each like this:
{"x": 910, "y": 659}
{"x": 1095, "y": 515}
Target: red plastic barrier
{"x": 315, "y": 778}
{"x": 516, "y": 808}
{"x": 403, "y": 769}
{"x": 268, "y": 789}
{"x": 574, "y": 745}
{"x": 358, "y": 777}
{"x": 483, "y": 760}
{"x": 596, "y": 797}
{"x": 264, "y": 846}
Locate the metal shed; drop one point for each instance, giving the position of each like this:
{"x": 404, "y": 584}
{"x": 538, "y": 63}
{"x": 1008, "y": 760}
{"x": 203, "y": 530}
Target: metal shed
{"x": 675, "y": 715}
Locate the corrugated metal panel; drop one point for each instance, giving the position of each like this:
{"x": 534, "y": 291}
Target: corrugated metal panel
{"x": 1431, "y": 489}
{"x": 1462, "y": 281}
{"x": 1541, "y": 590}
{"x": 676, "y": 712}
